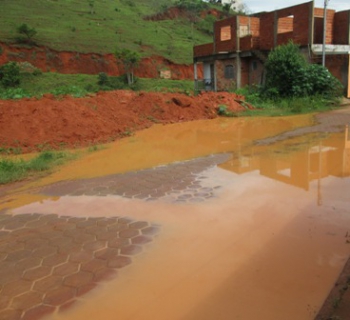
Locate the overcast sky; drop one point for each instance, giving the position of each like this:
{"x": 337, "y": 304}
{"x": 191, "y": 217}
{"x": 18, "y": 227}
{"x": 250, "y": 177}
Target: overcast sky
{"x": 260, "y": 5}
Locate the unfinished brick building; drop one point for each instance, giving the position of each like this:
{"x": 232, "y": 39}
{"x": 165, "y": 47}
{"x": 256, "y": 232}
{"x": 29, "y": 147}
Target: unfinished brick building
{"x": 241, "y": 45}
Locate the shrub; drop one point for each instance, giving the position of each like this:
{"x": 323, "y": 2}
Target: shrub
{"x": 10, "y": 74}
{"x": 103, "y": 79}
{"x": 285, "y": 71}
{"x": 322, "y": 82}
{"x": 13, "y": 93}
{"x": 289, "y": 75}
{"x": 74, "y": 91}
{"x": 26, "y": 34}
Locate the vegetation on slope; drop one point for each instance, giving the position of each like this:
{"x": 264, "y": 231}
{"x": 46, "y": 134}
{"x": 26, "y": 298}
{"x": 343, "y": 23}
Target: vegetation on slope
{"x": 102, "y": 25}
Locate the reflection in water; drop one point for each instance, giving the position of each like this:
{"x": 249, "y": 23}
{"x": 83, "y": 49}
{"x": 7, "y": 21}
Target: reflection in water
{"x": 315, "y": 161}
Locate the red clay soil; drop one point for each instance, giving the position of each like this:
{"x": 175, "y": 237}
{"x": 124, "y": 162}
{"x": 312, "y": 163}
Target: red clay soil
{"x": 66, "y": 62}
{"x": 106, "y": 116}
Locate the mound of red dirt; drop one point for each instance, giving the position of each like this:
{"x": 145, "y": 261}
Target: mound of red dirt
{"x": 106, "y": 116}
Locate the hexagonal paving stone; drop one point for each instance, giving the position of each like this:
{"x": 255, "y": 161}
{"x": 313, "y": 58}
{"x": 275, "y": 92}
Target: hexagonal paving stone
{"x": 46, "y": 265}
{"x": 80, "y": 256}
{"x": 10, "y": 314}
{"x": 37, "y": 273}
{"x": 131, "y": 250}
{"x": 4, "y": 301}
{"x": 141, "y": 240}
{"x": 38, "y": 312}
{"x": 106, "y": 254}
{"x": 78, "y": 279}
{"x": 93, "y": 265}
{"x": 66, "y": 269}
{"x": 15, "y": 288}
{"x": 119, "y": 262}
{"x": 48, "y": 284}
{"x": 118, "y": 243}
{"x": 56, "y": 259}
{"x": 26, "y": 300}
{"x": 95, "y": 245}
{"x": 59, "y": 296}
{"x": 104, "y": 274}
{"x": 44, "y": 251}
{"x": 18, "y": 255}
{"x": 128, "y": 233}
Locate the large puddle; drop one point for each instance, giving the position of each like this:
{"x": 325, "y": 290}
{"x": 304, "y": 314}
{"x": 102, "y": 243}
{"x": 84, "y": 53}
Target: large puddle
{"x": 262, "y": 236}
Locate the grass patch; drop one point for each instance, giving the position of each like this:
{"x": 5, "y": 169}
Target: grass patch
{"x": 285, "y": 106}
{"x": 71, "y": 26}
{"x": 79, "y": 85}
{"x": 18, "y": 169}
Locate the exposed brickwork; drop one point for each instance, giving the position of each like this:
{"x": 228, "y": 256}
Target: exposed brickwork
{"x": 203, "y": 50}
{"x": 268, "y": 30}
{"x": 341, "y": 27}
{"x": 228, "y": 45}
{"x": 267, "y": 22}
{"x": 222, "y": 82}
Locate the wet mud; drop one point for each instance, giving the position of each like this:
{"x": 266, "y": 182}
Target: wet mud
{"x": 239, "y": 230}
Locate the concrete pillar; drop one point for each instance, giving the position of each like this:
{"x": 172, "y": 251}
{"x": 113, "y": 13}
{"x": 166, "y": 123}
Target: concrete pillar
{"x": 239, "y": 71}
{"x": 348, "y": 91}
{"x": 195, "y": 76}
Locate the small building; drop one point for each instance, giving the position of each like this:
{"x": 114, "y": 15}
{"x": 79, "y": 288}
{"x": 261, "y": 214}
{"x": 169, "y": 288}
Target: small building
{"x": 241, "y": 45}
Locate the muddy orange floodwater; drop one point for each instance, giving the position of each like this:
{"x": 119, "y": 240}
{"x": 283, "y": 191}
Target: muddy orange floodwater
{"x": 262, "y": 236}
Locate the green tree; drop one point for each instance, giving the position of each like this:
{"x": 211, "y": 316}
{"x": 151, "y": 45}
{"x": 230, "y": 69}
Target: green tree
{"x": 130, "y": 60}
{"x": 26, "y": 33}
{"x": 10, "y": 74}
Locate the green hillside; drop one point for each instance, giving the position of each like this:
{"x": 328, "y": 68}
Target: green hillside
{"x": 101, "y": 26}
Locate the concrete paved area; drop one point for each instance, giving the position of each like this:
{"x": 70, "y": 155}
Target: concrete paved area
{"x": 48, "y": 261}
{"x": 326, "y": 122}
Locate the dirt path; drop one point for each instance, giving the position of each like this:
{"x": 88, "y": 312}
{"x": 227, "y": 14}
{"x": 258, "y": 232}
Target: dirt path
{"x": 29, "y": 124}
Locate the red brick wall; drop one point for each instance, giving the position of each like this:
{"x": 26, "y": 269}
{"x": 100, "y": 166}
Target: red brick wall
{"x": 318, "y": 29}
{"x": 341, "y": 27}
{"x": 245, "y": 72}
{"x": 301, "y": 22}
{"x": 252, "y": 40}
{"x": 255, "y": 26}
{"x": 246, "y": 43}
{"x": 256, "y": 75}
{"x": 283, "y": 38}
{"x": 203, "y": 50}
{"x": 338, "y": 65}
{"x": 267, "y": 31}
{"x": 301, "y": 25}
{"x": 285, "y": 25}
{"x": 222, "y": 83}
{"x": 228, "y": 45}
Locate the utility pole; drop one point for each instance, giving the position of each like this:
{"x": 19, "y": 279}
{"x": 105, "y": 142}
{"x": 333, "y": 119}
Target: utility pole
{"x": 324, "y": 33}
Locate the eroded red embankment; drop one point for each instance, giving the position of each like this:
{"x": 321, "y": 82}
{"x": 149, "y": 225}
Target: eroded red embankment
{"x": 48, "y": 59}
{"x": 28, "y": 123}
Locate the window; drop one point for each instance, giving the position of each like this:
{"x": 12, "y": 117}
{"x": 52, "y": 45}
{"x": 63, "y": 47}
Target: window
{"x": 229, "y": 72}
{"x": 225, "y": 33}
{"x": 254, "y": 65}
